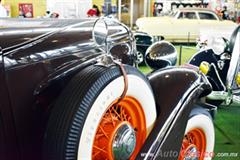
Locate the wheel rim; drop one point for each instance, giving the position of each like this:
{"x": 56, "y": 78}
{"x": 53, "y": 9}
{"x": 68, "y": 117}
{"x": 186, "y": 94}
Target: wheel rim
{"x": 193, "y": 145}
{"x": 139, "y": 57}
{"x": 121, "y": 132}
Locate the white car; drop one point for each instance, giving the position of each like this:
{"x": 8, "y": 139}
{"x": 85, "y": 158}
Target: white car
{"x": 183, "y": 26}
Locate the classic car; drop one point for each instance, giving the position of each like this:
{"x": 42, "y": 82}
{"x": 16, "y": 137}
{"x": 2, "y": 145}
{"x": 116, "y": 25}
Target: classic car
{"x": 184, "y": 25}
{"x": 73, "y": 93}
{"x": 222, "y": 67}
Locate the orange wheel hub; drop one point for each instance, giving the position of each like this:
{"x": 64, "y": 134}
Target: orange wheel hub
{"x": 121, "y": 132}
{"x": 193, "y": 145}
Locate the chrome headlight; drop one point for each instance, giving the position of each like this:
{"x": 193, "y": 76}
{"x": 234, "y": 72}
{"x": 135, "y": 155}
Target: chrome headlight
{"x": 160, "y": 55}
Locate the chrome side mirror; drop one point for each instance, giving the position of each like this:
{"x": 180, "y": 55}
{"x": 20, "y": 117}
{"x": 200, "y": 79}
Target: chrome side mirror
{"x": 115, "y": 39}
{"x": 160, "y": 55}
{"x": 100, "y": 32}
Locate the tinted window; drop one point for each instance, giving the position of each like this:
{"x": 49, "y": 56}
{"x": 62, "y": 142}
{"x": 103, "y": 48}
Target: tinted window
{"x": 207, "y": 16}
{"x": 188, "y": 15}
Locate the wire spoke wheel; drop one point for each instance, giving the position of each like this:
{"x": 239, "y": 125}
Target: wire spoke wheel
{"x": 194, "y": 145}
{"x": 199, "y": 139}
{"x": 121, "y": 132}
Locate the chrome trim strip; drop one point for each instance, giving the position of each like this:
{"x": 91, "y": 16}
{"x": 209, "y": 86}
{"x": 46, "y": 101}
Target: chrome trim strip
{"x": 234, "y": 63}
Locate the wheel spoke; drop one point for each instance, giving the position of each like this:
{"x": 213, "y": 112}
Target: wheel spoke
{"x": 121, "y": 113}
{"x": 113, "y": 122}
{"x": 97, "y": 153}
{"x": 105, "y": 134}
{"x": 100, "y": 149}
{"x": 117, "y": 114}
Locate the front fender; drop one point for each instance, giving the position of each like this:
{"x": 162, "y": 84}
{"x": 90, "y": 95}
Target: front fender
{"x": 175, "y": 90}
{"x": 216, "y": 76}
{"x": 205, "y": 55}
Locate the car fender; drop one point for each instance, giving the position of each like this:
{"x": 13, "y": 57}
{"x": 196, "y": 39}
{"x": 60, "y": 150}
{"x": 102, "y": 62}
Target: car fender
{"x": 65, "y": 72}
{"x": 204, "y": 55}
{"x": 174, "y": 103}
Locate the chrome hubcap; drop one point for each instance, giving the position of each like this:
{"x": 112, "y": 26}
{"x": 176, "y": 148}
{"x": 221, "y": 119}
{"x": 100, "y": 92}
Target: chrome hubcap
{"x": 124, "y": 142}
{"x": 191, "y": 153}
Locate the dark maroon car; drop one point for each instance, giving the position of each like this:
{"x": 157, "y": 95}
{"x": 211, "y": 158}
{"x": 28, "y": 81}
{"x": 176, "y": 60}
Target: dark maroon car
{"x": 69, "y": 90}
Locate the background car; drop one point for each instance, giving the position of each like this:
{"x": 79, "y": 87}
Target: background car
{"x": 222, "y": 61}
{"x": 184, "y": 25}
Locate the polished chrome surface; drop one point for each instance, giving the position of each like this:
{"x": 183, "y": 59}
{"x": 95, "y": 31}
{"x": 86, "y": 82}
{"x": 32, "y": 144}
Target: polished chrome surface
{"x": 221, "y": 64}
{"x": 191, "y": 153}
{"x": 106, "y": 61}
{"x": 225, "y": 56}
{"x": 160, "y": 55}
{"x": 140, "y": 57}
{"x": 100, "y": 32}
{"x": 234, "y": 63}
{"x": 124, "y": 142}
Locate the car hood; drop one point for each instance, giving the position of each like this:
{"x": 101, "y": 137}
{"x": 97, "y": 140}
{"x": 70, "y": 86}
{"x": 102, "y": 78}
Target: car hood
{"x": 23, "y": 45}
{"x": 152, "y": 20}
{"x": 16, "y": 31}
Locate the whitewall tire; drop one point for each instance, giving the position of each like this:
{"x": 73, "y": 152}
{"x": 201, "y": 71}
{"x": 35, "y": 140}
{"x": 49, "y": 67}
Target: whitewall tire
{"x": 199, "y": 135}
{"x": 82, "y": 109}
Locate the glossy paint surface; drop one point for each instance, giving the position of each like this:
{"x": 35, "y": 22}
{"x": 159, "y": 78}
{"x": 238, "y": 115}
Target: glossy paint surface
{"x": 174, "y": 103}
{"x": 36, "y": 64}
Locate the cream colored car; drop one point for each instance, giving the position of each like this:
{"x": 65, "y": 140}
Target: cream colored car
{"x": 183, "y": 26}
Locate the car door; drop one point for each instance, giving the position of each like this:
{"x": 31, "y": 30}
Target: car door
{"x": 185, "y": 26}
{"x": 211, "y": 25}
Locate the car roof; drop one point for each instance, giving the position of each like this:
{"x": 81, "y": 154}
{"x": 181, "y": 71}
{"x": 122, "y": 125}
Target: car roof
{"x": 196, "y": 9}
